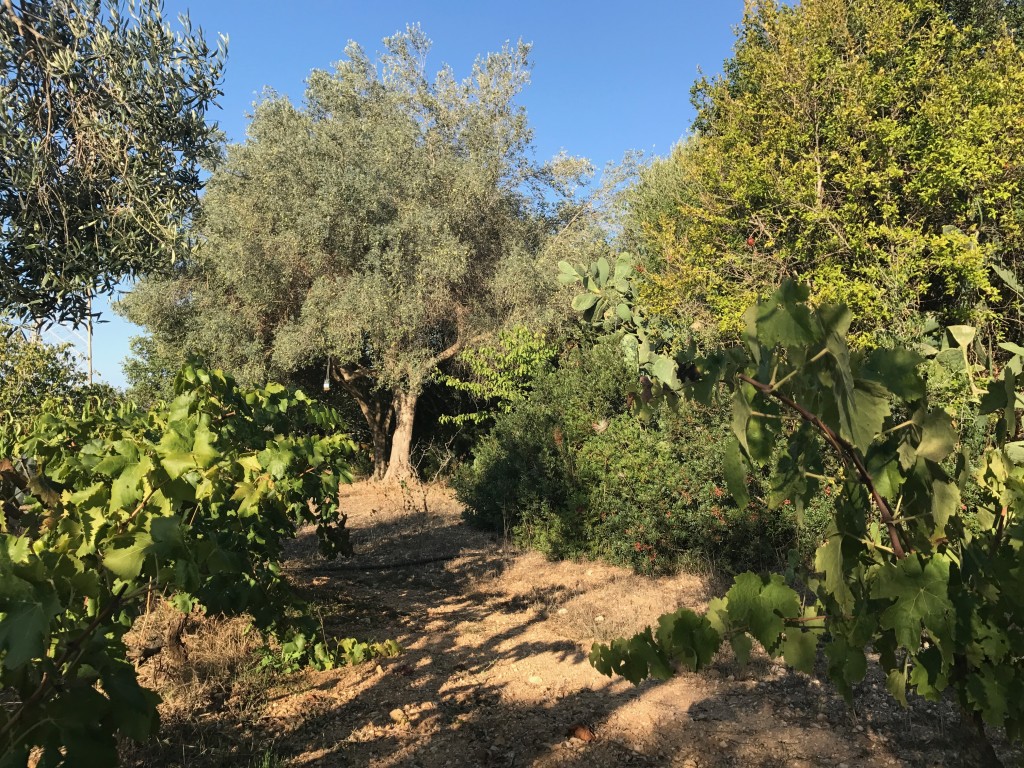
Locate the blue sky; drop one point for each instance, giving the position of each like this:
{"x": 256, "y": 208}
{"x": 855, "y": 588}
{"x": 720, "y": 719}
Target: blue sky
{"x": 607, "y": 78}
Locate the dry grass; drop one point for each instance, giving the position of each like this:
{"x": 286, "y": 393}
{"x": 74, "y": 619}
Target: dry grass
{"x": 213, "y": 697}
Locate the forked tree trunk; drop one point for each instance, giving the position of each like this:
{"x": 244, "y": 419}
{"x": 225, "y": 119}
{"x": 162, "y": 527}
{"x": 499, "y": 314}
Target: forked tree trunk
{"x": 378, "y": 410}
{"x": 400, "y": 464}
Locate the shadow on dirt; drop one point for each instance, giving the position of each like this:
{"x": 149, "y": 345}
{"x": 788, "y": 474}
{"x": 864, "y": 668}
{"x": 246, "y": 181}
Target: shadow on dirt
{"x": 462, "y": 693}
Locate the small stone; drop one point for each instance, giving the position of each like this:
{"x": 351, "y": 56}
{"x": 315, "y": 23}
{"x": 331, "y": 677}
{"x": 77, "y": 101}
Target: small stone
{"x": 599, "y": 619}
{"x": 859, "y": 729}
{"x": 731, "y": 678}
{"x": 379, "y": 670}
{"x": 562, "y": 611}
{"x": 536, "y": 680}
{"x": 398, "y": 715}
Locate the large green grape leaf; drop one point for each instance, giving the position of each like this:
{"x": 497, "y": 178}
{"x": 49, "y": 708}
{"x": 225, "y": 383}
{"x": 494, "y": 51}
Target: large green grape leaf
{"x": 938, "y": 438}
{"x": 127, "y": 489}
{"x": 23, "y": 632}
{"x": 126, "y": 561}
{"x": 800, "y": 649}
{"x": 784, "y": 319}
{"x": 133, "y": 706}
{"x": 688, "y": 638}
{"x": 920, "y": 591}
{"x": 735, "y": 468}
{"x": 896, "y": 370}
{"x": 828, "y": 560}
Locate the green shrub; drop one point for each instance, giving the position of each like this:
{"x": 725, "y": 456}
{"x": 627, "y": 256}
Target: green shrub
{"x": 572, "y": 473}
{"x": 527, "y": 460}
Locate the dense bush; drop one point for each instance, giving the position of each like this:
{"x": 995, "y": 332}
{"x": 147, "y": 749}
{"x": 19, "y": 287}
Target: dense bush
{"x": 526, "y": 461}
{"x": 571, "y": 472}
{"x": 36, "y": 377}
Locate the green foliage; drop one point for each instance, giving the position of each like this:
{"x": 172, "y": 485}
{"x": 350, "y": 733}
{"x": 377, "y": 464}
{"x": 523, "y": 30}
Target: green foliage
{"x": 501, "y": 375}
{"x": 652, "y": 502}
{"x": 901, "y": 571}
{"x": 34, "y": 377}
{"x": 104, "y": 133}
{"x": 569, "y": 472}
{"x": 378, "y": 231}
{"x": 987, "y": 17}
{"x": 150, "y": 370}
{"x": 526, "y": 461}
{"x": 869, "y": 148}
{"x": 193, "y": 500}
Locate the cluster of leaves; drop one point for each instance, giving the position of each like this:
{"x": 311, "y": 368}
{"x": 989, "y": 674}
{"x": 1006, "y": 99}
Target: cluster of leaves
{"x": 869, "y": 148}
{"x": 905, "y": 569}
{"x": 36, "y": 377}
{"x": 500, "y": 375}
{"x": 103, "y": 512}
{"x": 104, "y": 132}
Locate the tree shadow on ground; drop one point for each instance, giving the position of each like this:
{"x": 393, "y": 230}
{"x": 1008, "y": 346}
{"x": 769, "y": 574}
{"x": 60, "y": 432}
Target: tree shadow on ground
{"x": 487, "y": 679}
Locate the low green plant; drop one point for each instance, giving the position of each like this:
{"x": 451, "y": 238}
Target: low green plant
{"x": 193, "y": 500}
{"x": 526, "y": 461}
{"x": 571, "y": 472}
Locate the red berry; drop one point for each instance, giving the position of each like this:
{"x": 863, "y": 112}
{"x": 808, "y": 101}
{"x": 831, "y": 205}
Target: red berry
{"x": 750, "y": 241}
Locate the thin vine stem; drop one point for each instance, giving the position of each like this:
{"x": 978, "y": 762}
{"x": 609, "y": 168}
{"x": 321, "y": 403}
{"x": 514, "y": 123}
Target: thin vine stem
{"x": 847, "y": 452}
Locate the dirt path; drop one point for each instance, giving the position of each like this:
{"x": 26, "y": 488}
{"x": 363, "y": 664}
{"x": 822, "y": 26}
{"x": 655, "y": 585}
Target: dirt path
{"x": 495, "y": 672}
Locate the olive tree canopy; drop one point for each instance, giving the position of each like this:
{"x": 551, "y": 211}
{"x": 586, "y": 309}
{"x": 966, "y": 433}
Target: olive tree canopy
{"x": 103, "y": 133}
{"x": 377, "y": 231}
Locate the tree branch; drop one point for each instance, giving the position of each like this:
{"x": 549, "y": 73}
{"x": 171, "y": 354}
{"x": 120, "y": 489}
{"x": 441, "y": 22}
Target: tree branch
{"x": 846, "y": 451}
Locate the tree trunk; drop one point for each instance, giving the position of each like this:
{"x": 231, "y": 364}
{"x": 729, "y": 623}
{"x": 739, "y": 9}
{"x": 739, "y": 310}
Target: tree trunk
{"x": 378, "y": 409}
{"x": 400, "y": 464}
{"x": 379, "y": 436}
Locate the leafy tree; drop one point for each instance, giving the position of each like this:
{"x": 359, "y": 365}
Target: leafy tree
{"x": 374, "y": 234}
{"x": 870, "y": 148}
{"x": 104, "y": 132}
{"x": 34, "y": 375}
{"x": 150, "y": 370}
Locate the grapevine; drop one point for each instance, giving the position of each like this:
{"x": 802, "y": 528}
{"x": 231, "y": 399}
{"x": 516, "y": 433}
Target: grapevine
{"x": 906, "y": 570}
{"x": 193, "y": 501}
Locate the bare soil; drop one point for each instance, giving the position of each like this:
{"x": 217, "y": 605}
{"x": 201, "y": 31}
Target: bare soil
{"x": 494, "y": 671}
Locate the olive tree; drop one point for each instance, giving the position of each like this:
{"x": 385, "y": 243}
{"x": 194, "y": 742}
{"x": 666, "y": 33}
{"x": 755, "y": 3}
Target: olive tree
{"x": 103, "y": 132}
{"x": 372, "y": 234}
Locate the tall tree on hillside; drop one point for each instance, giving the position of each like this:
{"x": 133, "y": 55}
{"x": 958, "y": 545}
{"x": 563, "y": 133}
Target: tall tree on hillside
{"x": 103, "y": 128}
{"x": 871, "y": 148}
{"x": 372, "y": 234}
